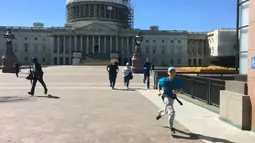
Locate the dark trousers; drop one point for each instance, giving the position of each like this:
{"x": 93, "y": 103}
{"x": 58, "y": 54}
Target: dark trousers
{"x": 112, "y": 79}
{"x": 40, "y": 79}
{"x": 126, "y": 81}
{"x": 147, "y": 78}
{"x": 17, "y": 72}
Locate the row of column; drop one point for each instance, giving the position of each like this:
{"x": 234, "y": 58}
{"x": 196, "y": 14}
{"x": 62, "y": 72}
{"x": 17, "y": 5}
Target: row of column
{"x": 197, "y": 47}
{"x": 93, "y": 44}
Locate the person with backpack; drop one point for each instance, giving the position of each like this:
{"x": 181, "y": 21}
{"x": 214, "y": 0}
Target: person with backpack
{"x": 37, "y": 76}
{"x": 171, "y": 86}
{"x": 127, "y": 75}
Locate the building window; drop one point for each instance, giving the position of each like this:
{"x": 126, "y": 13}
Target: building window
{"x": 200, "y": 62}
{"x": 43, "y": 39}
{"x": 171, "y": 61}
{"x": 195, "y": 62}
{"x": 61, "y": 61}
{"x": 154, "y": 41}
{"x": 179, "y": 61}
{"x": 55, "y": 60}
{"x": 25, "y": 59}
{"x": 25, "y": 47}
{"x": 163, "y": 51}
{"x": 189, "y": 62}
{"x": 172, "y": 41}
{"x": 147, "y": 41}
{"x": 36, "y": 38}
{"x": 67, "y": 61}
{"x": 43, "y": 60}
{"x": 25, "y": 38}
{"x": 163, "y": 41}
{"x": 179, "y": 41}
{"x": 154, "y": 51}
{"x": 244, "y": 39}
{"x": 243, "y": 62}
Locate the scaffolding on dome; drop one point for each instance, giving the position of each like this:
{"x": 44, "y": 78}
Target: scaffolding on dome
{"x": 130, "y": 14}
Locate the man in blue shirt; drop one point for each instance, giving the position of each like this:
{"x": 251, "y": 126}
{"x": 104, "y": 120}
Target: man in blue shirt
{"x": 146, "y": 73}
{"x": 170, "y": 87}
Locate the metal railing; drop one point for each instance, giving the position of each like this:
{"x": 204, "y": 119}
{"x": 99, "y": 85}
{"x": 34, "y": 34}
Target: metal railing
{"x": 205, "y": 88}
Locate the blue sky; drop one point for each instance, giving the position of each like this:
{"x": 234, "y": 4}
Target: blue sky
{"x": 191, "y": 15}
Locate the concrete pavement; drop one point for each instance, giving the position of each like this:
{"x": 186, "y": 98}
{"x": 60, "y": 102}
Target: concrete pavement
{"x": 87, "y": 110}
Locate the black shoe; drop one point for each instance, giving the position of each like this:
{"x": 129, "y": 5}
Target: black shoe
{"x": 172, "y": 130}
{"x": 30, "y": 93}
{"x": 158, "y": 117}
{"x": 45, "y": 91}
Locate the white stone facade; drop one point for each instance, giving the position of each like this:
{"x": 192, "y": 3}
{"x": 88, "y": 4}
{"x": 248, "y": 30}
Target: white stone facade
{"x": 54, "y": 46}
{"x": 222, "y": 42}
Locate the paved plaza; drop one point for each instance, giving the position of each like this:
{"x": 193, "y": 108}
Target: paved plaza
{"x": 85, "y": 110}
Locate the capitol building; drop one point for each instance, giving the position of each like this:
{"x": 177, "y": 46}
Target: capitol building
{"x": 103, "y": 29}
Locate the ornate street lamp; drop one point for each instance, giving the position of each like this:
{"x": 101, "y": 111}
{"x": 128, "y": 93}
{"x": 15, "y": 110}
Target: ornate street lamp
{"x": 9, "y": 58}
{"x": 137, "y": 56}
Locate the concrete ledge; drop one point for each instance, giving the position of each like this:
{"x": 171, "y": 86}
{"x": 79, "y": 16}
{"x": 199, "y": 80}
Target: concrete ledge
{"x": 235, "y": 109}
{"x": 236, "y": 86}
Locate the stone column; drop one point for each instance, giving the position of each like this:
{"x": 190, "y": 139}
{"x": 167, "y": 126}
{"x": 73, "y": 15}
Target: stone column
{"x": 251, "y": 55}
{"x": 99, "y": 45}
{"x": 105, "y": 45}
{"x": 87, "y": 44}
{"x": 110, "y": 44}
{"x": 117, "y": 43}
{"x": 93, "y": 45}
{"x": 64, "y": 47}
{"x": 75, "y": 43}
{"x": 58, "y": 48}
{"x": 122, "y": 45}
{"x": 81, "y": 43}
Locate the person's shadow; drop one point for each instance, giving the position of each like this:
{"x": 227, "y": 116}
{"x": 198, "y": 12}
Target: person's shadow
{"x": 48, "y": 96}
{"x": 194, "y": 136}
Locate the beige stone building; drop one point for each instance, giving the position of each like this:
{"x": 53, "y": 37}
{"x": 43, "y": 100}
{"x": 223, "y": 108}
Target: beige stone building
{"x": 101, "y": 28}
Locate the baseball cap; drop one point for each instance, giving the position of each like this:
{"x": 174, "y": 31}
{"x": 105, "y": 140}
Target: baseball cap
{"x": 171, "y": 69}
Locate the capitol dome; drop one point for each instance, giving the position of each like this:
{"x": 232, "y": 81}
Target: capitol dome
{"x": 114, "y": 11}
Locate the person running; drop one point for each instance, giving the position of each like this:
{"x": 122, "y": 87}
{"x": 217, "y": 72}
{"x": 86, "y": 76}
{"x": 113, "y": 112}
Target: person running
{"x": 113, "y": 70}
{"x": 170, "y": 87}
{"x": 37, "y": 76}
{"x": 147, "y": 67}
{"x": 17, "y": 69}
{"x": 127, "y": 75}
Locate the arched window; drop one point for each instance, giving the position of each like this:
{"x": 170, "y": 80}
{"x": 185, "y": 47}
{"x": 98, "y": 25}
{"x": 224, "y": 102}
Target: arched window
{"x": 195, "y": 62}
{"x": 200, "y": 62}
{"x": 190, "y": 62}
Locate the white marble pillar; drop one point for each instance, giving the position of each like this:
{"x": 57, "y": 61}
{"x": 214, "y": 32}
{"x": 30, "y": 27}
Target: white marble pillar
{"x": 87, "y": 44}
{"x": 117, "y": 43}
{"x": 122, "y": 45}
{"x": 93, "y": 45}
{"x": 99, "y": 44}
{"x": 105, "y": 45}
{"x": 64, "y": 46}
{"x": 75, "y": 43}
{"x": 58, "y": 45}
{"x": 110, "y": 44}
{"x": 81, "y": 43}
{"x": 128, "y": 48}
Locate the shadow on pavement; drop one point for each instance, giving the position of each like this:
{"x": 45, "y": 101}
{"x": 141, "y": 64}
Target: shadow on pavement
{"x": 13, "y": 99}
{"x": 49, "y": 96}
{"x": 124, "y": 89}
{"x": 194, "y": 136}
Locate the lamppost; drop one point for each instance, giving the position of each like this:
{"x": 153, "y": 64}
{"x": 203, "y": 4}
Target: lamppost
{"x": 9, "y": 58}
{"x": 137, "y": 56}
{"x": 76, "y": 57}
